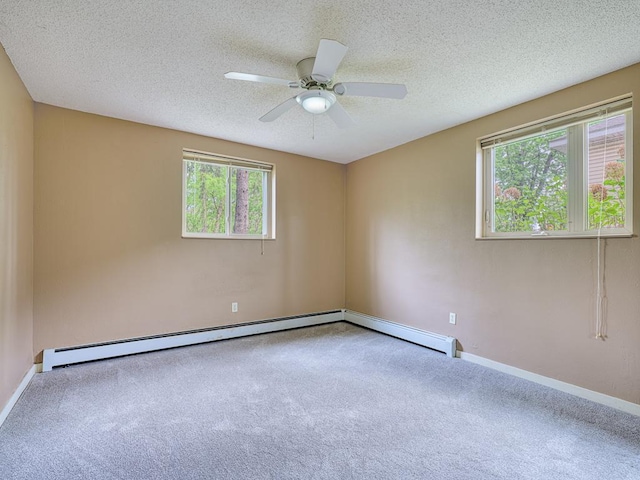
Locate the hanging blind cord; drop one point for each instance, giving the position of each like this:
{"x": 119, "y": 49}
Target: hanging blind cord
{"x": 600, "y": 297}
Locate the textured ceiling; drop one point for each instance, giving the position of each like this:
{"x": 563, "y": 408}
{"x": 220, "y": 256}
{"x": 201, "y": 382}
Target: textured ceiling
{"x": 162, "y": 62}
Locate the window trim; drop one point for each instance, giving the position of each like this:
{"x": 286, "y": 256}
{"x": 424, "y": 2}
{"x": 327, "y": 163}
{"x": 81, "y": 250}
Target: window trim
{"x": 576, "y": 178}
{"x": 268, "y": 206}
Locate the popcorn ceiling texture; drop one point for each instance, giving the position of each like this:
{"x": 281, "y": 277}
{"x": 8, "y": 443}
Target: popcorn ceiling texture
{"x": 162, "y": 62}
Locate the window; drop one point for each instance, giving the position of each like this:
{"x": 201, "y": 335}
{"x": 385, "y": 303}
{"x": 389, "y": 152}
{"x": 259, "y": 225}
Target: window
{"x": 566, "y": 176}
{"x": 225, "y": 197}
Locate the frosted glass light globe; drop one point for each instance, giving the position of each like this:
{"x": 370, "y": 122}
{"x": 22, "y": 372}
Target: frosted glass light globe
{"x": 316, "y": 101}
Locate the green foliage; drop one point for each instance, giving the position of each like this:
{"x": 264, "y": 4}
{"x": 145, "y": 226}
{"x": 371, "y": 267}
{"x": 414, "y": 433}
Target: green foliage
{"x": 206, "y": 194}
{"x": 530, "y": 184}
{"x": 606, "y": 206}
{"x": 206, "y": 203}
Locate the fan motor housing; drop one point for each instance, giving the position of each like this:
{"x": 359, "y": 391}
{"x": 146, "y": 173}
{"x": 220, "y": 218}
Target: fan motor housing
{"x": 304, "y": 69}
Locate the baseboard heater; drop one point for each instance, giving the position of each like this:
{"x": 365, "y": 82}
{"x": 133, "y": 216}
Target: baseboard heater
{"x": 434, "y": 341}
{"x": 56, "y": 357}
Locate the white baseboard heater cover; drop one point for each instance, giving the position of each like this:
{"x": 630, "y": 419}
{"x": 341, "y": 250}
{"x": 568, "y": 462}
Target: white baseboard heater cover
{"x": 55, "y": 357}
{"x": 434, "y": 341}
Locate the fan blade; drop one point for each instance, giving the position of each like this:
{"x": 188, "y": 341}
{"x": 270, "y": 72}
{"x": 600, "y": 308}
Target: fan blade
{"x": 279, "y": 110}
{"x": 330, "y": 54}
{"x": 250, "y": 77}
{"x": 340, "y": 116}
{"x": 365, "y": 89}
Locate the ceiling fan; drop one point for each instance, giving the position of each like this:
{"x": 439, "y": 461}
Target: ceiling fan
{"x": 315, "y": 77}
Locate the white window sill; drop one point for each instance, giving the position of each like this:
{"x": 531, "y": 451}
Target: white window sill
{"x": 548, "y": 236}
{"x": 225, "y": 237}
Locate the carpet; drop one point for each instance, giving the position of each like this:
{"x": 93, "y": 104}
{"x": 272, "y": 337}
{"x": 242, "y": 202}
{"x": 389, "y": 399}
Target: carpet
{"x": 328, "y": 402}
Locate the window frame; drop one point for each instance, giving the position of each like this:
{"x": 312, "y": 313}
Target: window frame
{"x": 268, "y": 189}
{"x": 576, "y": 123}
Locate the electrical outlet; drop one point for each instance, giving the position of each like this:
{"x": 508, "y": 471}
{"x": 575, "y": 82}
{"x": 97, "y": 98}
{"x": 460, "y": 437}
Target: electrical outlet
{"x": 452, "y": 318}
{"x": 234, "y": 307}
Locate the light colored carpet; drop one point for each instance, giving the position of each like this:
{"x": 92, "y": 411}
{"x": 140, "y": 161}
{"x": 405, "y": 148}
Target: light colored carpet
{"x": 328, "y": 402}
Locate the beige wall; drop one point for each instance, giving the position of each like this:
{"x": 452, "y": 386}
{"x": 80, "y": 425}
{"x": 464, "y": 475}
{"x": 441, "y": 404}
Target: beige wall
{"x": 16, "y": 229}
{"x": 412, "y": 258}
{"x": 110, "y": 262}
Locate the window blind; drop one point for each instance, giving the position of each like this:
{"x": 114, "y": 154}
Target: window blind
{"x": 194, "y": 155}
{"x": 590, "y": 113}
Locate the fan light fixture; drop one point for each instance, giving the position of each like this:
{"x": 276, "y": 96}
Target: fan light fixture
{"x": 316, "y": 101}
